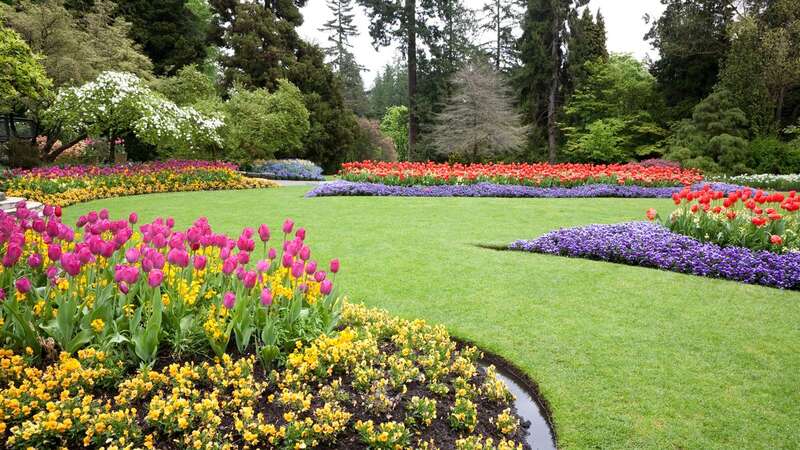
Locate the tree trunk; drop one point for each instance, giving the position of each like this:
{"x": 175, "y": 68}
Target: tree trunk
{"x": 552, "y": 128}
{"x": 411, "y": 17}
{"x": 112, "y": 150}
{"x": 779, "y": 108}
{"x": 50, "y": 156}
{"x": 497, "y": 27}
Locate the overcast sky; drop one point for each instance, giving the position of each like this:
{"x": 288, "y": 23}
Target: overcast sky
{"x": 624, "y": 25}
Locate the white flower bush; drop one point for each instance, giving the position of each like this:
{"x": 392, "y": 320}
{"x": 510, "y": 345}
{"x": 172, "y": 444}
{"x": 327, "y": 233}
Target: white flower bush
{"x": 118, "y": 102}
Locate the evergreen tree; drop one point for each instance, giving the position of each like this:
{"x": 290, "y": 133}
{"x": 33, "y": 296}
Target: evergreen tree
{"x": 340, "y": 29}
{"x": 587, "y": 42}
{"x": 263, "y": 48}
{"x": 168, "y": 31}
{"x": 389, "y": 89}
{"x": 403, "y": 21}
{"x": 77, "y": 47}
{"x": 691, "y": 37}
{"x": 501, "y": 19}
{"x": 762, "y": 68}
{"x": 540, "y": 79}
{"x": 349, "y": 73}
{"x": 714, "y": 139}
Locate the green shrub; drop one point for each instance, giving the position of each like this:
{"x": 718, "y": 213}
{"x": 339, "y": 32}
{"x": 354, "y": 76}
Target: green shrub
{"x": 259, "y": 124}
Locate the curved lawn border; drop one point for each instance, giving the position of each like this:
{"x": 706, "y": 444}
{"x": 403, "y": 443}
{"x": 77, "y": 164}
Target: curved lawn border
{"x": 651, "y": 245}
{"x": 348, "y": 188}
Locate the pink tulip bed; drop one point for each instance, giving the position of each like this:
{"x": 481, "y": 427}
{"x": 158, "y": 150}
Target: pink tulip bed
{"x": 116, "y": 334}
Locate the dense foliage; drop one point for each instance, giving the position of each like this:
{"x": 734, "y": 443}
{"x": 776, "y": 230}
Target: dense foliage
{"x": 260, "y": 124}
{"x": 22, "y": 77}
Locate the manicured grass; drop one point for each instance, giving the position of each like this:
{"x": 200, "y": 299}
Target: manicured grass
{"x": 627, "y": 357}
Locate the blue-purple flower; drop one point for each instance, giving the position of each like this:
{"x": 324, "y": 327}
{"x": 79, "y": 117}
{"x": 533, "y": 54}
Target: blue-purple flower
{"x": 652, "y": 245}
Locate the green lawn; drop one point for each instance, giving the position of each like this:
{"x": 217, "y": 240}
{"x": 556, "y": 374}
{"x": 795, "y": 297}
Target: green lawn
{"x": 627, "y": 357}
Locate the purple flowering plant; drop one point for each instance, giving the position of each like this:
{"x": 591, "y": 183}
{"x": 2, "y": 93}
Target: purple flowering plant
{"x": 652, "y": 245}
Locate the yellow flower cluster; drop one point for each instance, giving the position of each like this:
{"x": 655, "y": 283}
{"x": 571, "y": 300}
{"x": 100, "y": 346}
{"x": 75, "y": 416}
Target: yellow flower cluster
{"x": 69, "y": 190}
{"x": 313, "y": 401}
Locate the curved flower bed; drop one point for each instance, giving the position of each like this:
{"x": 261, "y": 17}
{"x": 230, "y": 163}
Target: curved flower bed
{"x": 651, "y": 245}
{"x": 287, "y": 169}
{"x": 539, "y": 175}
{"x": 115, "y": 338}
{"x": 380, "y": 382}
{"x": 344, "y": 188}
{"x": 65, "y": 186}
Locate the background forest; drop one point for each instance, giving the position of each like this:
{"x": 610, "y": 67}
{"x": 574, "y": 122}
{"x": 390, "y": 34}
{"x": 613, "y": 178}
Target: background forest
{"x": 513, "y": 81}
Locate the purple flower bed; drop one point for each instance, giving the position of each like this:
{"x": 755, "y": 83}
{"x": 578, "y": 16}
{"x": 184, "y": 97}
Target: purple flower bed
{"x": 651, "y": 245}
{"x": 338, "y": 188}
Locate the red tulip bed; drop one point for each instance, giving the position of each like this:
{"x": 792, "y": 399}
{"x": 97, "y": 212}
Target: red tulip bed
{"x": 413, "y": 179}
{"x": 538, "y": 175}
{"x": 745, "y": 235}
{"x": 114, "y": 335}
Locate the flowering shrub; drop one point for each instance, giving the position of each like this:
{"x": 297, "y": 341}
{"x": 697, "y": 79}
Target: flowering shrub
{"x": 767, "y": 181}
{"x": 120, "y": 101}
{"x": 323, "y": 397}
{"x": 341, "y": 188}
{"x": 68, "y": 185}
{"x": 540, "y": 175}
{"x": 288, "y": 169}
{"x": 652, "y": 245}
{"x": 744, "y": 217}
{"x": 105, "y": 285}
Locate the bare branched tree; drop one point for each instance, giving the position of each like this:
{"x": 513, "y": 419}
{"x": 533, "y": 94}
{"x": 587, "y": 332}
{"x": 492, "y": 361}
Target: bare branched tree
{"x": 478, "y": 122}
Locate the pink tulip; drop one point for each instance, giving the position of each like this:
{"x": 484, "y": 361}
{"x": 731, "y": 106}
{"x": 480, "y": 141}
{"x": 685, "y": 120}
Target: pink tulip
{"x": 178, "y": 257}
{"x": 272, "y": 254}
{"x": 319, "y": 276}
{"x": 229, "y": 266}
{"x": 104, "y": 214}
{"x": 123, "y": 287}
{"x": 71, "y": 263}
{"x": 200, "y": 262}
{"x": 326, "y": 287}
{"x": 35, "y": 260}
{"x": 243, "y": 258}
{"x": 287, "y": 260}
{"x": 23, "y": 285}
{"x": 311, "y": 267}
{"x": 38, "y": 226}
{"x": 2, "y": 294}
{"x": 229, "y": 299}
{"x": 266, "y": 297}
{"x": 250, "y": 279}
{"x": 155, "y": 278}
{"x": 133, "y": 218}
{"x": 170, "y": 222}
{"x": 132, "y": 255}
{"x": 297, "y": 269}
{"x": 287, "y": 226}
{"x": 305, "y": 253}
{"x": 263, "y": 232}
{"x": 302, "y": 287}
{"x": 334, "y": 265}
{"x": 262, "y": 266}
{"x": 247, "y": 232}
{"x": 301, "y": 233}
